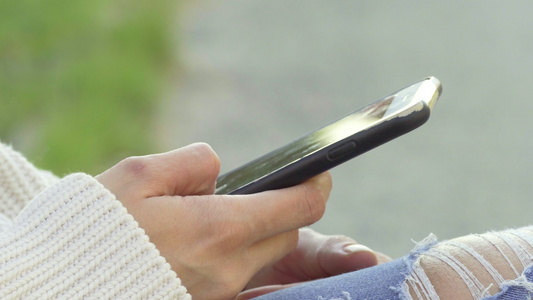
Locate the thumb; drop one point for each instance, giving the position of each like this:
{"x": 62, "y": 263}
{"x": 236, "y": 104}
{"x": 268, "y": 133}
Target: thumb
{"x": 338, "y": 254}
{"x": 341, "y": 254}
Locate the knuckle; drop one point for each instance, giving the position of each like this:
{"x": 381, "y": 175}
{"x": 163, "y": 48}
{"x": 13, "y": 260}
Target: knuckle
{"x": 333, "y": 240}
{"x": 324, "y": 184}
{"x": 314, "y": 202}
{"x": 135, "y": 166}
{"x": 316, "y": 194}
{"x": 210, "y": 160}
{"x": 328, "y": 182}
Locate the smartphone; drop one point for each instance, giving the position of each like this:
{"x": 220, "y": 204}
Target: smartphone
{"x": 335, "y": 143}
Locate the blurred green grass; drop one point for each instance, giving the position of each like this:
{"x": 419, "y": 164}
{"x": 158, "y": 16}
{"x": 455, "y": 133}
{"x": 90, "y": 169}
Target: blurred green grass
{"x": 80, "y": 80}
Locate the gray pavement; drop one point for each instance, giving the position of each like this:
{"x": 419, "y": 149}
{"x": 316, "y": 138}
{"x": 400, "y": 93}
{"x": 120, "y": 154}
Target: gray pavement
{"x": 257, "y": 74}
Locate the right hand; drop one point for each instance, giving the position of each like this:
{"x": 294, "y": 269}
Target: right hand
{"x": 215, "y": 243}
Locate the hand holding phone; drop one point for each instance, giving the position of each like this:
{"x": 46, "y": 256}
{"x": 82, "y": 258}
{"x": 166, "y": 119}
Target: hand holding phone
{"x": 333, "y": 144}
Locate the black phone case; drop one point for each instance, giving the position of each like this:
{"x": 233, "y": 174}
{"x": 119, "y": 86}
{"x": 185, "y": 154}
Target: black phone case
{"x": 337, "y": 153}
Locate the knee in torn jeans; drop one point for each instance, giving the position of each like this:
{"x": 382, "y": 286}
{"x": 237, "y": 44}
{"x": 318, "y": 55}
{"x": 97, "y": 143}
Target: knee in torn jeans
{"x": 491, "y": 266}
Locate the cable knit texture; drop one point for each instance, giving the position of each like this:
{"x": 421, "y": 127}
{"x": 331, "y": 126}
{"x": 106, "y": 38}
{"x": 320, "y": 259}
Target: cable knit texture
{"x": 71, "y": 239}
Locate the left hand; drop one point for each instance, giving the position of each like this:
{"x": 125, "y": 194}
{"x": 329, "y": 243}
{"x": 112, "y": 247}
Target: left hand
{"x": 316, "y": 256}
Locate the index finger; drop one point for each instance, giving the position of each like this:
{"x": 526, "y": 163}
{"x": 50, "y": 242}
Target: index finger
{"x": 191, "y": 170}
{"x": 274, "y": 212}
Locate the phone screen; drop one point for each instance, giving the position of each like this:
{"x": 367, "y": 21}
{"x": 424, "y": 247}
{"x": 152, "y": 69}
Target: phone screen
{"x": 360, "y": 120}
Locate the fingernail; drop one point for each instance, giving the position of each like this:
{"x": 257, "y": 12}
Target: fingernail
{"x": 353, "y": 248}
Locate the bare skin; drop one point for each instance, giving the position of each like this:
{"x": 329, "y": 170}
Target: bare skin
{"x": 220, "y": 245}
{"x": 245, "y": 246}
{"x": 449, "y": 285}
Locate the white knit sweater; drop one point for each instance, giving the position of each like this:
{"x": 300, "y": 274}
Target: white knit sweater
{"x": 71, "y": 239}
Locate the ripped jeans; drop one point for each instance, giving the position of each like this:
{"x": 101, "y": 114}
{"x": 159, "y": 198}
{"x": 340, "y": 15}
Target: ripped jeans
{"x": 406, "y": 278}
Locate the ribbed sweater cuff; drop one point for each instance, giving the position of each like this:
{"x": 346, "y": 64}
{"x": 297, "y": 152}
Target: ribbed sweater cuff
{"x": 75, "y": 240}
{"x": 20, "y": 181}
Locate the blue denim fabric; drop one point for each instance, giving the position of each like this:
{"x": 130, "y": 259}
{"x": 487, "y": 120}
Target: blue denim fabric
{"x": 383, "y": 282}
{"x": 379, "y": 282}
{"x": 519, "y": 289}
{"x": 387, "y": 282}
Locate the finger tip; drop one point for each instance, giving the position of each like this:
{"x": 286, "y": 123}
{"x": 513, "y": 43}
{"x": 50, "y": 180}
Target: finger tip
{"x": 356, "y": 248}
{"x": 361, "y": 255}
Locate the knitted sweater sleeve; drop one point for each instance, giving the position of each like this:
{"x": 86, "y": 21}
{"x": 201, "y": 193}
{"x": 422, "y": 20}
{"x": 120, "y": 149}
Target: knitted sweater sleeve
{"x": 72, "y": 239}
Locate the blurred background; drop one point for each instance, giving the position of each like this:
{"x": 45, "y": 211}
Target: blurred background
{"x": 83, "y": 84}
{"x": 80, "y": 80}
